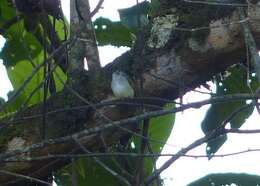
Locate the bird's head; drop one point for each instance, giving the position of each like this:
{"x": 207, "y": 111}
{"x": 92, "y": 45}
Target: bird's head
{"x": 119, "y": 75}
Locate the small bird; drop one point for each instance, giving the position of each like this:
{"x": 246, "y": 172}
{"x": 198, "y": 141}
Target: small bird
{"x": 120, "y": 85}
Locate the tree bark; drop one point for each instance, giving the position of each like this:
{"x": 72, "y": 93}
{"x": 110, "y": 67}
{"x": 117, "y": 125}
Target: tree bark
{"x": 167, "y": 59}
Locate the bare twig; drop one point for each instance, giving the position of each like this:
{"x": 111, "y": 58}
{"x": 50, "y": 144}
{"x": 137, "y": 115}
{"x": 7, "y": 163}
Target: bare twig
{"x": 196, "y": 29}
{"x": 82, "y": 107}
{"x": 74, "y": 180}
{"x": 23, "y": 106}
{"x": 212, "y": 135}
{"x": 96, "y": 9}
{"x": 239, "y": 131}
{"x": 133, "y": 155}
{"x": 144, "y": 142}
{"x": 24, "y": 177}
{"x": 135, "y": 119}
{"x": 216, "y": 3}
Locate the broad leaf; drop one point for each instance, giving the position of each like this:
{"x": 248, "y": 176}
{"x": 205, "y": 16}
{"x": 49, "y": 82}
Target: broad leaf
{"x": 23, "y": 51}
{"x": 20, "y": 45}
{"x": 159, "y": 131}
{"x": 88, "y": 173}
{"x": 227, "y": 179}
{"x": 113, "y": 33}
{"x": 6, "y": 12}
{"x": 236, "y": 82}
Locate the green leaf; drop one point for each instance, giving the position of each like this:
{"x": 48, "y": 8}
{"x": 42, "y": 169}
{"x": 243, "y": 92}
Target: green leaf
{"x": 217, "y": 113}
{"x": 22, "y": 52}
{"x": 113, "y": 33}
{"x": 240, "y": 179}
{"x": 19, "y": 73}
{"x": 88, "y": 173}
{"x": 7, "y": 12}
{"x": 159, "y": 131}
{"x": 61, "y": 27}
{"x": 20, "y": 45}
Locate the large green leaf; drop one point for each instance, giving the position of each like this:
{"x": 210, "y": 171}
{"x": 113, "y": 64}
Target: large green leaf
{"x": 227, "y": 179}
{"x": 159, "y": 131}
{"x": 113, "y": 33}
{"x": 88, "y": 173}
{"x": 23, "y": 51}
{"x": 17, "y": 75}
{"x": 236, "y": 82}
{"x": 20, "y": 45}
{"x": 6, "y": 12}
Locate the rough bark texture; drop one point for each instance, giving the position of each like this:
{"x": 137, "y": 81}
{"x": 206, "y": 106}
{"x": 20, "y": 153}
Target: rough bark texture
{"x": 184, "y": 59}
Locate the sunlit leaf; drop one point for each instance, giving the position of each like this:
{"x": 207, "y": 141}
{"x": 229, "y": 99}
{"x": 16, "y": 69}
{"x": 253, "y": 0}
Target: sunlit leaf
{"x": 227, "y": 179}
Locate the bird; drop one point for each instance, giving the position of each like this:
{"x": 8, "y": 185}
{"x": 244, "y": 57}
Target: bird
{"x": 120, "y": 85}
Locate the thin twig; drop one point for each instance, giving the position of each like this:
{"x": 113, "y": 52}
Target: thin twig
{"x": 135, "y": 119}
{"x": 97, "y": 8}
{"x": 24, "y": 177}
{"x": 212, "y": 135}
{"x": 195, "y": 29}
{"x": 133, "y": 155}
{"x": 216, "y": 3}
{"x": 22, "y": 107}
{"x": 82, "y": 107}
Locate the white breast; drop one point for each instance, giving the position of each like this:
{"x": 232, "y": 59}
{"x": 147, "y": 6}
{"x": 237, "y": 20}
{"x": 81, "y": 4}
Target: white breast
{"x": 121, "y": 87}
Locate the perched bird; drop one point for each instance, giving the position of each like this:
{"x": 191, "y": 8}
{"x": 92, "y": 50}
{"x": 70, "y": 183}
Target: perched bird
{"x": 120, "y": 85}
